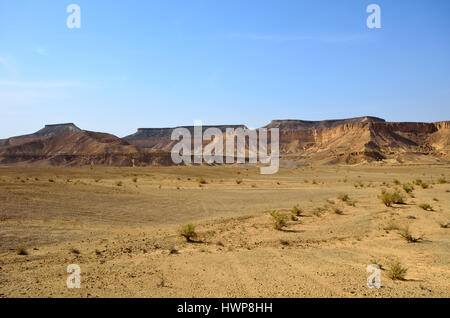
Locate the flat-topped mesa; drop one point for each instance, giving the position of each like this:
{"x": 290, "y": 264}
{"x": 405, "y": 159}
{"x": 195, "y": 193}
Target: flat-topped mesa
{"x": 144, "y": 133}
{"x": 290, "y": 124}
{"x": 56, "y": 129}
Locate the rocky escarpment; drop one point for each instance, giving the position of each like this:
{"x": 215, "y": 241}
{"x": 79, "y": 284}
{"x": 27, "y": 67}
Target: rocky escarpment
{"x": 81, "y": 148}
{"x": 48, "y": 130}
{"x": 160, "y": 138}
{"x": 306, "y": 125}
{"x": 368, "y": 141}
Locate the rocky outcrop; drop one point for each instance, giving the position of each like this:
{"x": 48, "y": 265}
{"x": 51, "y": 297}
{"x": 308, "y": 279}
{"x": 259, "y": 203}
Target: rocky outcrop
{"x": 160, "y": 138}
{"x": 48, "y": 130}
{"x": 81, "y": 148}
{"x": 345, "y": 141}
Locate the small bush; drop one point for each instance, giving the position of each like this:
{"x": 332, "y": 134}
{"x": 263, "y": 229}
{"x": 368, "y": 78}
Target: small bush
{"x": 188, "y": 232}
{"x": 119, "y": 183}
{"x": 407, "y": 235}
{"x": 442, "y": 180}
{"x": 424, "y": 185}
{"x": 51, "y": 180}
{"x": 297, "y": 211}
{"x": 75, "y": 251}
{"x": 426, "y": 207}
{"x": 280, "y": 220}
{"x": 22, "y": 251}
{"x": 445, "y": 225}
{"x": 389, "y": 198}
{"x": 396, "y": 271}
{"x": 338, "y": 211}
{"x": 343, "y": 197}
{"x": 396, "y": 182}
{"x": 319, "y": 211}
{"x": 418, "y": 182}
{"x": 238, "y": 181}
{"x": 408, "y": 188}
{"x": 134, "y": 179}
{"x": 201, "y": 180}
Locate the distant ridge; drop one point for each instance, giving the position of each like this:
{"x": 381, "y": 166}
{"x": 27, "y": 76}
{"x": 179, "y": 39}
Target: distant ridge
{"x": 340, "y": 141}
{"x": 293, "y": 124}
{"x": 167, "y": 132}
{"x": 56, "y": 129}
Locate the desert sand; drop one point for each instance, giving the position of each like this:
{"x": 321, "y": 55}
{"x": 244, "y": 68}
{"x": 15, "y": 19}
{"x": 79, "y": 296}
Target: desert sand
{"x": 121, "y": 226}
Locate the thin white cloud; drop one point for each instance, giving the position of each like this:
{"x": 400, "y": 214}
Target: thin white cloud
{"x": 298, "y": 38}
{"x": 41, "y": 51}
{"x": 7, "y": 66}
{"x": 38, "y": 84}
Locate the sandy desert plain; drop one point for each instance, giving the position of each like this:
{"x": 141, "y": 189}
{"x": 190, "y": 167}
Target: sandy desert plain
{"x": 121, "y": 226}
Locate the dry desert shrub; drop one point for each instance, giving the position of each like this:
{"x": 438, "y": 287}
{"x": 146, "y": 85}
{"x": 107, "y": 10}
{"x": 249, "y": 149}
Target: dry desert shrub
{"x": 442, "y": 180}
{"x": 344, "y": 197}
{"x": 134, "y": 179}
{"x": 279, "y": 220}
{"x": 396, "y": 182}
{"x": 75, "y": 251}
{"x": 406, "y": 234}
{"x": 119, "y": 183}
{"x": 188, "y": 232}
{"x": 201, "y": 180}
{"x": 297, "y": 211}
{"x": 396, "y": 271}
{"x": 338, "y": 211}
{"x": 389, "y": 198}
{"x": 238, "y": 181}
{"x": 21, "y": 251}
{"x": 445, "y": 225}
{"x": 319, "y": 211}
{"x": 408, "y": 188}
{"x": 426, "y": 207}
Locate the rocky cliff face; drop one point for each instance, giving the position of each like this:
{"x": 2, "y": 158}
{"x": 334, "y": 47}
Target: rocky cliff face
{"x": 80, "y": 148}
{"x": 346, "y": 141}
{"x": 160, "y": 138}
{"x": 48, "y": 130}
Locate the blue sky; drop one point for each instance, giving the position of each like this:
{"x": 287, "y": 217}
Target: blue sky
{"x": 158, "y": 63}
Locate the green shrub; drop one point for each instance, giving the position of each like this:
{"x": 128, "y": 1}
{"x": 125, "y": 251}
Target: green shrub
{"x": 201, "y": 180}
{"x": 343, "y": 197}
{"x": 389, "y": 198}
{"x": 442, "y": 180}
{"x": 408, "y": 188}
{"x": 280, "y": 220}
{"x": 296, "y": 210}
{"x": 426, "y": 207}
{"x": 188, "y": 232}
